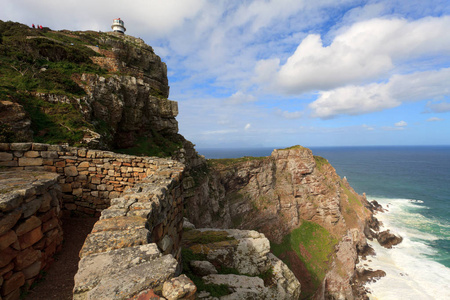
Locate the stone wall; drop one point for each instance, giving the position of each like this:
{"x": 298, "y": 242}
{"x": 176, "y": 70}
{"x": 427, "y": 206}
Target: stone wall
{"x": 30, "y": 228}
{"x": 89, "y": 178}
{"x": 139, "y": 200}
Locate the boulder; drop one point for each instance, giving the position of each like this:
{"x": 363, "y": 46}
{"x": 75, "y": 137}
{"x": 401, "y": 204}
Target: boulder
{"x": 388, "y": 239}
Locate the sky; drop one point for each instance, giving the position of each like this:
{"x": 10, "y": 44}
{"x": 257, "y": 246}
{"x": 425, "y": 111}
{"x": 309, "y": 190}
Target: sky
{"x": 278, "y": 73}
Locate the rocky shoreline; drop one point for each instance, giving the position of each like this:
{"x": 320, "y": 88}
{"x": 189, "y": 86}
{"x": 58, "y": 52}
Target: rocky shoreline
{"x": 385, "y": 238}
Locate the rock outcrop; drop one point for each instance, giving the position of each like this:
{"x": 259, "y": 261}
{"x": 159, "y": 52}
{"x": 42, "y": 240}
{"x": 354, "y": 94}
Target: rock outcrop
{"x": 277, "y": 194}
{"x": 240, "y": 262}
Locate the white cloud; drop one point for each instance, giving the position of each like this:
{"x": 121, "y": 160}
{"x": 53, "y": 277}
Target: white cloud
{"x": 438, "y": 107}
{"x": 401, "y": 124}
{"x": 290, "y": 115}
{"x": 434, "y": 119}
{"x": 370, "y": 128}
{"x": 365, "y": 51}
{"x": 247, "y": 126}
{"x": 239, "y": 97}
{"x": 357, "y": 100}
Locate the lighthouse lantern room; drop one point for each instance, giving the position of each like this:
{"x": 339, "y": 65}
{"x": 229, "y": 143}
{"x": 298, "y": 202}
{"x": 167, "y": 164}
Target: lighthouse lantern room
{"x": 118, "y": 26}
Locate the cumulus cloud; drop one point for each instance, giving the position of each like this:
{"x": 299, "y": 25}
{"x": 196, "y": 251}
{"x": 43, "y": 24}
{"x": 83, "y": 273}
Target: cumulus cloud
{"x": 401, "y": 124}
{"x": 290, "y": 115}
{"x": 239, "y": 97}
{"x": 434, "y": 119}
{"x": 438, "y": 107}
{"x": 357, "y": 100}
{"x": 365, "y": 51}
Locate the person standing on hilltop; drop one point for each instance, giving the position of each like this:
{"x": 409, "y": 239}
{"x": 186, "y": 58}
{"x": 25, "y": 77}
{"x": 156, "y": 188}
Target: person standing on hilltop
{"x": 32, "y": 26}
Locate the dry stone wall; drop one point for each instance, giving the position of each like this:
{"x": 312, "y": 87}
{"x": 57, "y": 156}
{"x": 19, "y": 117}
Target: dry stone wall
{"x": 30, "y": 228}
{"x": 89, "y": 178}
{"x": 140, "y": 203}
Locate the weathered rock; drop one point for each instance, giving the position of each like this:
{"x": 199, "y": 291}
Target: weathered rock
{"x": 244, "y": 250}
{"x": 131, "y": 281}
{"x": 388, "y": 239}
{"x": 7, "y": 239}
{"x": 109, "y": 240}
{"x": 286, "y": 285}
{"x": 202, "y": 268}
{"x": 93, "y": 267}
{"x": 180, "y": 287}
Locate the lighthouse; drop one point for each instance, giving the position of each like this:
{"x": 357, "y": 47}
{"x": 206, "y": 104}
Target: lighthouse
{"x": 118, "y": 26}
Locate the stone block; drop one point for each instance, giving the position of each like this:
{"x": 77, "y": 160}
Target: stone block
{"x": 9, "y": 220}
{"x": 10, "y": 201}
{"x": 71, "y": 171}
{"x": 109, "y": 240}
{"x": 48, "y": 215}
{"x": 130, "y": 281}
{"x": 7, "y": 239}
{"x": 28, "y": 225}
{"x": 29, "y": 238}
{"x": 60, "y": 164}
{"x": 4, "y": 156}
{"x": 119, "y": 223}
{"x": 39, "y": 147}
{"x": 66, "y": 187}
{"x": 32, "y": 207}
{"x": 32, "y": 154}
{"x": 96, "y": 180}
{"x": 15, "y": 295}
{"x": 180, "y": 287}
{"x": 20, "y": 146}
{"x": 13, "y": 283}
{"x": 70, "y": 206}
{"x": 27, "y": 161}
{"x": 6, "y": 269}
{"x": 32, "y": 270}
{"x": 46, "y": 203}
{"x": 84, "y": 164}
{"x": 50, "y": 224}
{"x": 12, "y": 163}
{"x": 49, "y": 154}
{"x": 26, "y": 258}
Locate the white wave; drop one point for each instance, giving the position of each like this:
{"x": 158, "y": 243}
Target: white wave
{"x": 410, "y": 273}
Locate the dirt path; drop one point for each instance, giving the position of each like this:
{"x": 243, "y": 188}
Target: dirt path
{"x": 58, "y": 283}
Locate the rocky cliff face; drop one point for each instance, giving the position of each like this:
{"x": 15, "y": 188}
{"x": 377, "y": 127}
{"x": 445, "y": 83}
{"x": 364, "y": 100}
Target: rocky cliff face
{"x": 101, "y": 90}
{"x": 276, "y": 195}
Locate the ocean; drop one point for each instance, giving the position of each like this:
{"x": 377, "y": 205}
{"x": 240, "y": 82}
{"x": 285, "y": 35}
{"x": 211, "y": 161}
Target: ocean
{"x": 413, "y": 184}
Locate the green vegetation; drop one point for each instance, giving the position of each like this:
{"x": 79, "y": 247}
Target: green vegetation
{"x": 320, "y": 162}
{"x": 293, "y": 147}
{"x": 351, "y": 196}
{"x": 42, "y": 61}
{"x": 154, "y": 145}
{"x": 231, "y": 161}
{"x": 45, "y": 61}
{"x": 313, "y": 244}
{"x": 214, "y": 289}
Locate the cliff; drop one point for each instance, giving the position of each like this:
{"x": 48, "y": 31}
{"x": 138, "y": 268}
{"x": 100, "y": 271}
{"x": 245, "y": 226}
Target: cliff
{"x": 284, "y": 226}
{"x": 313, "y": 218}
{"x": 93, "y": 89}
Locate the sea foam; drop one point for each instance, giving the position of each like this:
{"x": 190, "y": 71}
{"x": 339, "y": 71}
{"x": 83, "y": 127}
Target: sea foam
{"x": 411, "y": 272}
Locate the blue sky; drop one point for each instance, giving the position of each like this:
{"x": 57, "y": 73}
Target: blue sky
{"x": 283, "y": 72}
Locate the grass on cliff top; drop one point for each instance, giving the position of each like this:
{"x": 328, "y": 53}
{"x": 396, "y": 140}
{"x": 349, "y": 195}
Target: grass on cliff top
{"x": 42, "y": 60}
{"x": 313, "y": 244}
{"x": 320, "y": 162}
{"x": 155, "y": 145}
{"x": 231, "y": 161}
{"x": 293, "y": 147}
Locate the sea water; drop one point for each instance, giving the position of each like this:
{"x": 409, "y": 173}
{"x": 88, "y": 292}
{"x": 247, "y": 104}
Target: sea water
{"x": 413, "y": 184}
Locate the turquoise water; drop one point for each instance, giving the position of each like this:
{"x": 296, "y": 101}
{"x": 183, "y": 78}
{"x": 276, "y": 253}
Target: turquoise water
{"x": 413, "y": 183}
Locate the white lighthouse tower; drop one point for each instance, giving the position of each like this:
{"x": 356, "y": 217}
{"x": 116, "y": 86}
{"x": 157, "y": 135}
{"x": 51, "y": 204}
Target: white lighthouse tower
{"x": 118, "y": 26}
